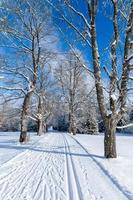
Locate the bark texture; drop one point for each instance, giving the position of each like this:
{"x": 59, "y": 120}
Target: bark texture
{"x": 40, "y": 117}
{"x": 39, "y": 127}
{"x": 24, "y": 118}
{"x": 72, "y": 127}
{"x": 110, "y": 120}
{"x": 35, "y": 56}
{"x": 110, "y": 139}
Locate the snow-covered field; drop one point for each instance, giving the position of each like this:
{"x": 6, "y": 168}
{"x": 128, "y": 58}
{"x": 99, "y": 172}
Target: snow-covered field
{"x": 58, "y": 166}
{"x": 10, "y": 147}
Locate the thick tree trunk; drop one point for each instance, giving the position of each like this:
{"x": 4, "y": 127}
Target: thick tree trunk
{"x": 72, "y": 128}
{"x": 40, "y": 127}
{"x": 45, "y": 127}
{"x": 24, "y": 118}
{"x": 40, "y": 123}
{"x": 110, "y": 140}
{"x": 110, "y": 126}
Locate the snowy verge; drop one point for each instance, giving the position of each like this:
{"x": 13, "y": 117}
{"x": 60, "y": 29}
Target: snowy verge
{"x": 119, "y": 170}
{"x": 10, "y": 146}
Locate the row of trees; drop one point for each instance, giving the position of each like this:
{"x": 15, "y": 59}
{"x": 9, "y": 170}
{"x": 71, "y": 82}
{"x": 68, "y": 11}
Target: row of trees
{"x": 62, "y": 98}
{"x": 34, "y": 71}
{"x": 119, "y": 74}
{"x": 32, "y": 79}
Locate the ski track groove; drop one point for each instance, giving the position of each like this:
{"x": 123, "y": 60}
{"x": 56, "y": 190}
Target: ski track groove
{"x": 53, "y": 168}
{"x": 25, "y": 173}
{"x": 28, "y": 178}
{"x": 41, "y": 179}
{"x": 87, "y": 191}
{"x": 10, "y": 161}
{"x": 17, "y": 164}
{"x": 17, "y": 169}
{"x": 21, "y": 180}
{"x": 44, "y": 160}
{"x": 98, "y": 168}
{"x": 77, "y": 193}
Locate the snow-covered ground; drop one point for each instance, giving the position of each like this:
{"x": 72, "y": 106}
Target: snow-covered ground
{"x": 10, "y": 147}
{"x": 58, "y": 166}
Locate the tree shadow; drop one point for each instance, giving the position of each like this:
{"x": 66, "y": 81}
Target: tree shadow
{"x": 61, "y": 151}
{"x": 125, "y": 192}
{"x": 46, "y": 150}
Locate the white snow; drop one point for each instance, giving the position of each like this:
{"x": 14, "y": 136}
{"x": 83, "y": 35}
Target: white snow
{"x": 125, "y": 126}
{"x": 114, "y": 42}
{"x": 120, "y": 170}
{"x": 113, "y": 96}
{"x": 59, "y": 166}
{"x": 10, "y": 147}
{"x": 109, "y": 112}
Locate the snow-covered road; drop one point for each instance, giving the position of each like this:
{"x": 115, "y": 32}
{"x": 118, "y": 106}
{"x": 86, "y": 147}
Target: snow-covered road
{"x": 57, "y": 167}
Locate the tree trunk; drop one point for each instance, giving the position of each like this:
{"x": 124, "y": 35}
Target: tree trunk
{"x": 44, "y": 127}
{"x": 39, "y": 120}
{"x": 110, "y": 140}
{"x": 110, "y": 125}
{"x": 24, "y": 118}
{"x": 72, "y": 128}
{"x": 40, "y": 127}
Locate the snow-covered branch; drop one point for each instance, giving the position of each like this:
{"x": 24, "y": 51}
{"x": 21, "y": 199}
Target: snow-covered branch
{"x": 125, "y": 126}
{"x": 70, "y": 23}
{"x": 80, "y": 14}
{"x": 11, "y": 89}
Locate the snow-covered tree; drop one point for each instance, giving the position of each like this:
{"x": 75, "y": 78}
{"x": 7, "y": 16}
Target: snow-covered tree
{"x": 82, "y": 20}
{"x": 25, "y": 34}
{"x": 72, "y": 79}
{"x": 44, "y": 93}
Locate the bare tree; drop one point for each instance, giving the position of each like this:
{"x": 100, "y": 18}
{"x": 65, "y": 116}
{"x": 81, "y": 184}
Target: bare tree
{"x": 72, "y": 79}
{"x": 118, "y": 90}
{"x": 9, "y": 116}
{"x": 44, "y": 90}
{"x": 26, "y": 36}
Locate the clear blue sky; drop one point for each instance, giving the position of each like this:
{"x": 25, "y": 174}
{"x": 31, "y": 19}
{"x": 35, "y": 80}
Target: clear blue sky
{"x": 104, "y": 28}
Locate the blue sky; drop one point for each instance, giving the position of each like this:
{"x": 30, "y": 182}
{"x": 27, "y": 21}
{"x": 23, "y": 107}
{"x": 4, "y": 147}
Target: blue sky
{"x": 104, "y": 28}
{"x": 103, "y": 25}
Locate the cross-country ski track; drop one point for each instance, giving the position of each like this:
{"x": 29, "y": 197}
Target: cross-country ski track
{"x": 56, "y": 167}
